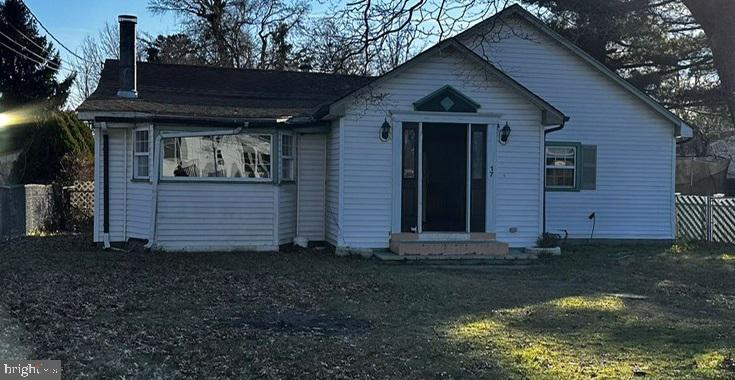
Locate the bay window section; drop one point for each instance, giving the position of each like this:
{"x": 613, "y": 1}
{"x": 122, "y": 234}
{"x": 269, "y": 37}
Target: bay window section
{"x": 245, "y": 156}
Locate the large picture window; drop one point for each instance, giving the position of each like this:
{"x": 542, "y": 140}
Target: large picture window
{"x": 561, "y": 167}
{"x": 141, "y": 153}
{"x": 245, "y": 156}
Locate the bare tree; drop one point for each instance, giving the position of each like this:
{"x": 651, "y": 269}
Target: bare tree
{"x": 370, "y": 37}
{"x": 231, "y": 31}
{"x": 94, "y": 50}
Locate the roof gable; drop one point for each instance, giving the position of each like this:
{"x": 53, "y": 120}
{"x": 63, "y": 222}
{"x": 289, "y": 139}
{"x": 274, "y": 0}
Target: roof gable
{"x": 550, "y": 114}
{"x": 446, "y": 99}
{"x": 681, "y": 127}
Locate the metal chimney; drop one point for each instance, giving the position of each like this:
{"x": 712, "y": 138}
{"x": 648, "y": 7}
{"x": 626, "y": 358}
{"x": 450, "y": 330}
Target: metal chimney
{"x": 127, "y": 64}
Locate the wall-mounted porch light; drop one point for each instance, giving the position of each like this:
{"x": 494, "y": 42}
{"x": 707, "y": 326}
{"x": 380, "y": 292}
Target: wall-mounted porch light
{"x": 504, "y": 134}
{"x": 385, "y": 131}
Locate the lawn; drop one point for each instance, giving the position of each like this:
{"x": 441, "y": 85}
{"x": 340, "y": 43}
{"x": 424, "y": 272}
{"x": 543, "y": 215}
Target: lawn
{"x": 597, "y": 312}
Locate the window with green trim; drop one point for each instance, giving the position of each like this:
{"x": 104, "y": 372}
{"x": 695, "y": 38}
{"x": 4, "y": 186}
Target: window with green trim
{"x": 562, "y": 166}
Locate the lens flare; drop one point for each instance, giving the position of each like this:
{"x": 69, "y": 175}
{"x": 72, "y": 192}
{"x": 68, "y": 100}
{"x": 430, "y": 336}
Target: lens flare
{"x": 5, "y": 120}
{"x": 18, "y": 116}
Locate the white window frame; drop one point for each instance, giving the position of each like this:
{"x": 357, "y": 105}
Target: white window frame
{"x": 137, "y": 154}
{"x": 291, "y": 159}
{"x": 574, "y": 168}
{"x": 172, "y": 134}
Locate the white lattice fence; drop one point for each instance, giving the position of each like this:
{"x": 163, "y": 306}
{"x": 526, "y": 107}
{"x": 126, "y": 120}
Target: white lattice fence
{"x": 723, "y": 220}
{"x": 78, "y": 205}
{"x": 701, "y": 217}
{"x": 691, "y": 217}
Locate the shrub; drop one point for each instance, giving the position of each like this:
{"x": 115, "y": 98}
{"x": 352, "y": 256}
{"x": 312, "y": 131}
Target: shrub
{"x": 548, "y": 240}
{"x": 45, "y": 144}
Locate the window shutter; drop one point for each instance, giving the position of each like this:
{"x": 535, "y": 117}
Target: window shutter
{"x": 589, "y": 167}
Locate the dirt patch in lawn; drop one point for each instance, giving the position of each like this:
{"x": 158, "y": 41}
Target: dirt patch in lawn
{"x": 600, "y": 312}
{"x": 293, "y": 321}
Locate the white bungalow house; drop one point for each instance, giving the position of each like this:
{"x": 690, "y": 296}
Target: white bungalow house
{"x": 477, "y": 140}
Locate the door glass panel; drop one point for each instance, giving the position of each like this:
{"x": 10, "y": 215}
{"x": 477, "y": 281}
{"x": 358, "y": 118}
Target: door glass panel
{"x": 478, "y": 154}
{"x": 478, "y": 185}
{"x": 409, "y": 173}
{"x": 409, "y": 153}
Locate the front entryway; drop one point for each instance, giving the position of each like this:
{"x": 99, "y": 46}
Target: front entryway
{"x": 443, "y": 177}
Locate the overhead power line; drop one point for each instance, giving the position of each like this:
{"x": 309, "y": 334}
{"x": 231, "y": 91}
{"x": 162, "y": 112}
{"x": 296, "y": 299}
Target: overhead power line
{"x": 25, "y": 48}
{"x": 49, "y": 33}
{"x": 26, "y": 37}
{"x": 56, "y": 69}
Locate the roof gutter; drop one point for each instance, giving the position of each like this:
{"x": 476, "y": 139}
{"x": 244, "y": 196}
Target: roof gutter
{"x": 546, "y": 132}
{"x": 200, "y": 120}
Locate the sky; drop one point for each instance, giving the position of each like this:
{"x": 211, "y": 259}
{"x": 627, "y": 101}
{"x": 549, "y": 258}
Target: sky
{"x": 71, "y": 20}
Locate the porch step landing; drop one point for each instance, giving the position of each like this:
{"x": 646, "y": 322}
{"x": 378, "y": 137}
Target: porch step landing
{"x": 513, "y": 259}
{"x": 446, "y": 246}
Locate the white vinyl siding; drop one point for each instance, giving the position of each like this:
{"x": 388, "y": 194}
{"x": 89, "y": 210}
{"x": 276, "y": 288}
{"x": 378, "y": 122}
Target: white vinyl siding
{"x": 286, "y": 213}
{"x": 130, "y": 201}
{"x": 368, "y": 162}
{"x": 139, "y": 199}
{"x": 311, "y": 186}
{"x": 215, "y": 216}
{"x": 633, "y": 198}
{"x": 332, "y": 228}
{"x": 138, "y": 210}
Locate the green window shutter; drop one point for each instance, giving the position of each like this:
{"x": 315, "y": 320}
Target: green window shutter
{"x": 589, "y": 167}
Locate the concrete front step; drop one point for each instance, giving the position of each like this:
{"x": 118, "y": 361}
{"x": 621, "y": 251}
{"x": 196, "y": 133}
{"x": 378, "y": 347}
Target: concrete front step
{"x": 449, "y": 248}
{"x": 442, "y": 236}
{"x": 509, "y": 259}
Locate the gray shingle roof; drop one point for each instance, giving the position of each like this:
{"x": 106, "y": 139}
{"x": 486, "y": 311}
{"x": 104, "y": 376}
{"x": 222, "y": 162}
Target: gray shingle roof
{"x": 201, "y": 91}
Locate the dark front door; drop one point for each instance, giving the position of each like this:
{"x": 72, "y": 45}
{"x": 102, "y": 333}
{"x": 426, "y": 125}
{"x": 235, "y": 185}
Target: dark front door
{"x": 444, "y": 172}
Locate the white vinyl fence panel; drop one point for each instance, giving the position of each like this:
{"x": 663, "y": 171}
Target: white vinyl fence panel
{"x": 708, "y": 218}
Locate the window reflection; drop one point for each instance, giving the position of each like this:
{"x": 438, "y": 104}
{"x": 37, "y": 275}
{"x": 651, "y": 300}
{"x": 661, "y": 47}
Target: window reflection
{"x": 226, "y": 156}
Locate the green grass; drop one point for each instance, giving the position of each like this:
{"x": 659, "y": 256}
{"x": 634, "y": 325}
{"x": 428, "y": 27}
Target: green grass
{"x": 597, "y": 312}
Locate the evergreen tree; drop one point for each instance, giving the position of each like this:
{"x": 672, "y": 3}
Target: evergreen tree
{"x": 281, "y": 48}
{"x": 658, "y": 47}
{"x": 59, "y": 134}
{"x": 29, "y": 67}
{"x": 174, "y": 48}
{"x": 23, "y": 81}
